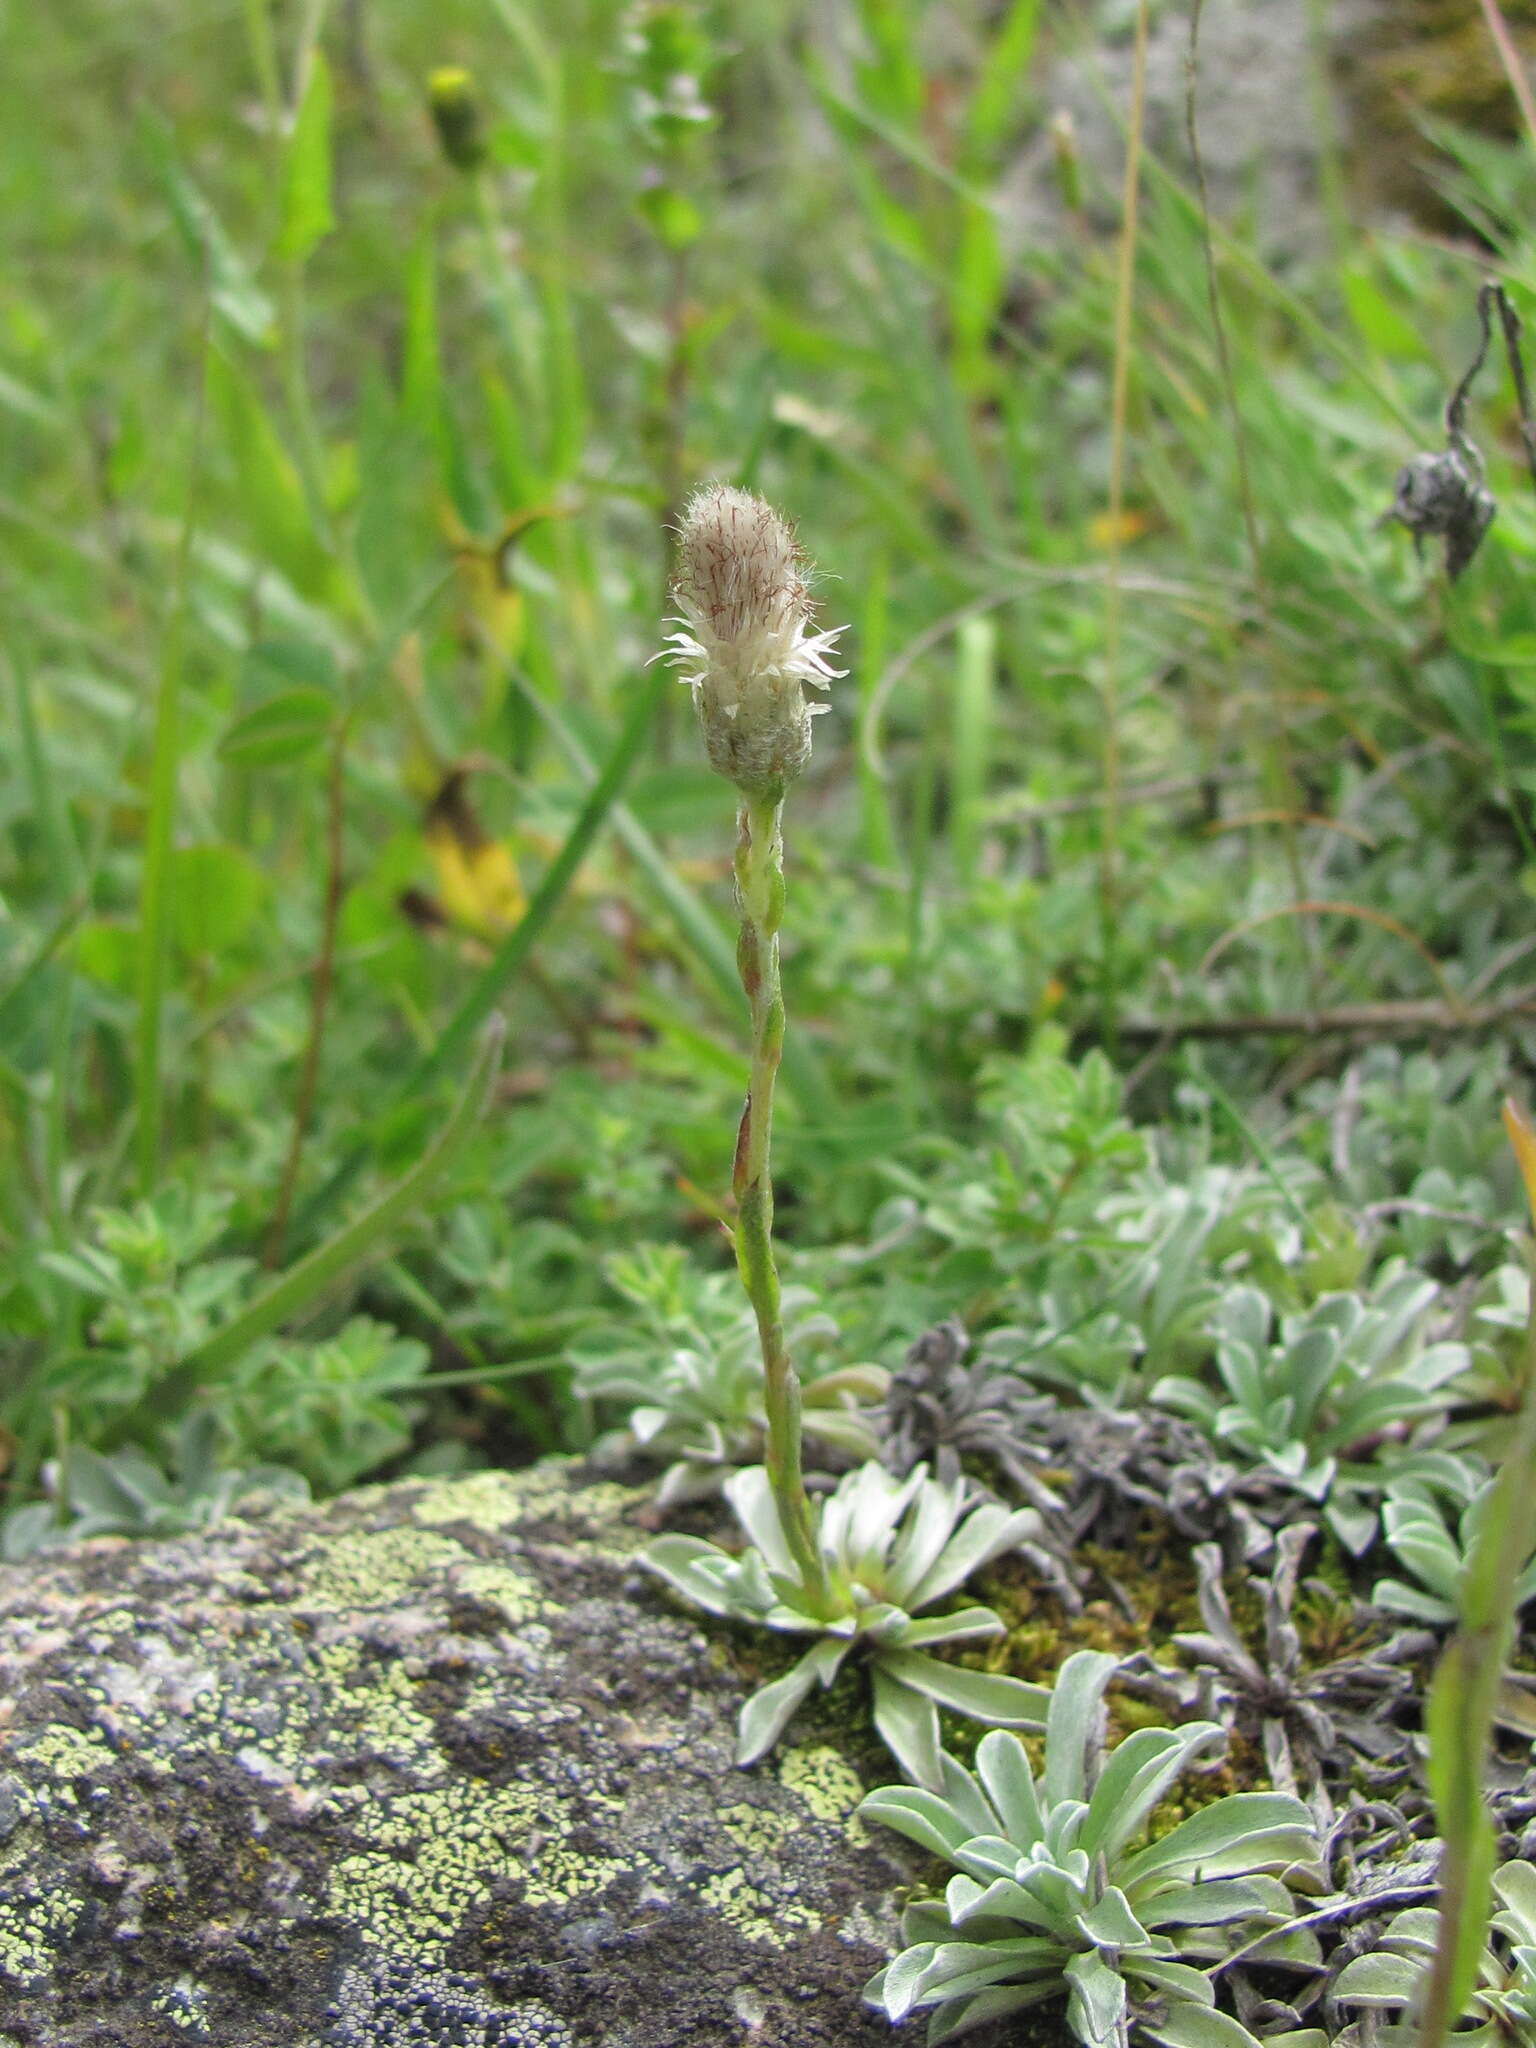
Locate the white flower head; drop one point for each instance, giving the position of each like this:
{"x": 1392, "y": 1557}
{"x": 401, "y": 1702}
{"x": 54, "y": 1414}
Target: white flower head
{"x": 745, "y": 644}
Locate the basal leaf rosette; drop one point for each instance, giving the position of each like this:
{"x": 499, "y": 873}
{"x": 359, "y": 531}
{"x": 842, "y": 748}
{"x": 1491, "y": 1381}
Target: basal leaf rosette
{"x": 1057, "y": 1891}
{"x": 890, "y": 1549}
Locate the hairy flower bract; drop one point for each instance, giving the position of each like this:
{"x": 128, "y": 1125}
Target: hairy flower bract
{"x": 745, "y": 642}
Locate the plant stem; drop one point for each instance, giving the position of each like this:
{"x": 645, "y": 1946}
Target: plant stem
{"x": 320, "y": 994}
{"x": 1125, "y": 292}
{"x": 1463, "y": 1696}
{"x": 157, "y": 878}
{"x": 760, "y": 899}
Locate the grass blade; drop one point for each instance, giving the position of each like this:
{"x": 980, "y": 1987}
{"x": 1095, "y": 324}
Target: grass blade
{"x": 305, "y": 1282}
{"x": 155, "y": 881}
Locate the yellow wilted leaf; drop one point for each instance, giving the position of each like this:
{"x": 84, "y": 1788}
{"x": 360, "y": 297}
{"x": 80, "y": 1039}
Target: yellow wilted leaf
{"x": 494, "y": 602}
{"x": 478, "y": 884}
{"x": 1105, "y": 532}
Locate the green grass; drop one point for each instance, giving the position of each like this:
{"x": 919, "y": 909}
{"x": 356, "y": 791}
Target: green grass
{"x": 446, "y": 415}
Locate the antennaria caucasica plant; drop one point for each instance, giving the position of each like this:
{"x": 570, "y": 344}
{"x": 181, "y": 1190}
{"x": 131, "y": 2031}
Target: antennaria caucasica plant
{"x": 881, "y": 1549}
{"x": 745, "y": 647}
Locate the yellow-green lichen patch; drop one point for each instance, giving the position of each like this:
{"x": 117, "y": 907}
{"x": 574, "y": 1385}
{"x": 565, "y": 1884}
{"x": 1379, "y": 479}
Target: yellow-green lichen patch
{"x": 518, "y": 1596}
{"x": 434, "y": 1855}
{"x": 32, "y": 1929}
{"x": 185, "y": 2005}
{"x": 542, "y": 1493}
{"x": 66, "y": 1758}
{"x": 753, "y": 1913}
{"x": 828, "y": 1785}
{"x": 382, "y": 1695}
{"x": 343, "y": 1697}
{"x": 756, "y": 1829}
{"x": 485, "y": 1500}
{"x": 376, "y": 1568}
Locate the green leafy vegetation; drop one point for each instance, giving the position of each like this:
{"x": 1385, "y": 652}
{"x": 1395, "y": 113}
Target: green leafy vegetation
{"x": 1132, "y": 999}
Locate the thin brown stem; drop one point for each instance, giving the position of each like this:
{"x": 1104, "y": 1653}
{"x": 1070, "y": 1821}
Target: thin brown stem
{"x": 1514, "y": 70}
{"x": 1410, "y": 1019}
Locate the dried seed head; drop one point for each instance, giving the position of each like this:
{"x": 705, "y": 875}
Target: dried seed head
{"x": 744, "y": 642}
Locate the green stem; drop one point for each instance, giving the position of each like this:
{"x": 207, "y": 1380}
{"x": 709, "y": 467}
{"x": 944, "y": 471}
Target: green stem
{"x": 319, "y": 995}
{"x": 1460, "y": 1715}
{"x": 760, "y": 899}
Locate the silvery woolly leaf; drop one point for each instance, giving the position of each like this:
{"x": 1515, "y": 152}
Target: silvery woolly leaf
{"x": 949, "y": 2022}
{"x": 1245, "y": 1832}
{"x": 969, "y": 1623}
{"x": 1352, "y": 1523}
{"x": 1214, "y": 1902}
{"x": 983, "y": 1695}
{"x": 1096, "y": 2003}
{"x": 1514, "y": 1885}
{"x": 686, "y": 1481}
{"x": 645, "y": 1423}
{"x": 751, "y": 1498}
{"x": 859, "y": 1519}
{"x": 1072, "y": 1720}
{"x": 841, "y": 1429}
{"x": 923, "y": 1817}
{"x": 1110, "y": 1923}
{"x": 700, "y": 1571}
{"x": 1379, "y": 1980}
{"x": 1166, "y": 1975}
{"x": 895, "y": 1988}
{"x": 936, "y": 1508}
{"x": 956, "y": 1969}
{"x": 1006, "y": 1899}
{"x": 1400, "y": 1598}
{"x": 1186, "y": 2025}
{"x": 863, "y": 1382}
{"x": 1135, "y": 1778}
{"x": 966, "y": 1799}
{"x": 769, "y": 1711}
{"x": 987, "y": 1532}
{"x": 908, "y": 1725}
{"x": 1002, "y": 1765}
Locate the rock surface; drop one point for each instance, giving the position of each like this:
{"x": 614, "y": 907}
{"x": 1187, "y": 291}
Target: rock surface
{"x": 431, "y": 1764}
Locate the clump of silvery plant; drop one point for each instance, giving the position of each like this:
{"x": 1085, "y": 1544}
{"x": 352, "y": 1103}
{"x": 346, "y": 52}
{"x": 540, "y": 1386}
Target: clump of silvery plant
{"x": 1057, "y": 1891}
{"x": 689, "y": 1366}
{"x": 888, "y": 1550}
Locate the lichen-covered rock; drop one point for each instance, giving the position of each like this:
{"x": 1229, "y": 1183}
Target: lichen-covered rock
{"x": 432, "y": 1764}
